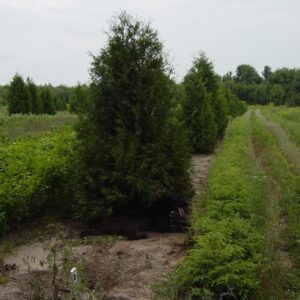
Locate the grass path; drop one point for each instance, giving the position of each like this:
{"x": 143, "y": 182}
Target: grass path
{"x": 275, "y": 154}
{"x": 287, "y": 146}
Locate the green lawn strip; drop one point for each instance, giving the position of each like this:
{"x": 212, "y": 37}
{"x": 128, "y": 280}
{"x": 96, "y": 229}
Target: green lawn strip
{"x": 287, "y": 145}
{"x": 280, "y": 279}
{"x": 34, "y": 173}
{"x": 19, "y": 126}
{"x": 288, "y": 118}
{"x": 227, "y": 255}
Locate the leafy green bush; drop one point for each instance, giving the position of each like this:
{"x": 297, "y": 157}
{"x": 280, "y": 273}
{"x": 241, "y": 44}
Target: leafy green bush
{"x": 35, "y": 177}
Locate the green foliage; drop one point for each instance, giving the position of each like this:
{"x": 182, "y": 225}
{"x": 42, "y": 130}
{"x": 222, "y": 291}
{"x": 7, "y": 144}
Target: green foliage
{"x": 79, "y": 99}
{"x": 207, "y": 106}
{"x": 28, "y": 98}
{"x": 267, "y": 72}
{"x": 4, "y": 95}
{"x": 3, "y": 111}
{"x": 18, "y": 126}
{"x": 284, "y": 201}
{"x": 288, "y": 118}
{"x": 280, "y": 87}
{"x": 128, "y": 157}
{"x": 221, "y": 110}
{"x": 47, "y": 101}
{"x": 18, "y": 97}
{"x": 198, "y": 115}
{"x": 235, "y": 107}
{"x": 61, "y": 96}
{"x": 36, "y": 106}
{"x": 227, "y": 253}
{"x": 35, "y": 177}
{"x": 247, "y": 74}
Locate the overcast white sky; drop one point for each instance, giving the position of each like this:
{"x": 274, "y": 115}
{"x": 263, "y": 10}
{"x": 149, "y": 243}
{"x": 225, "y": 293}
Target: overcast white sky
{"x": 49, "y": 40}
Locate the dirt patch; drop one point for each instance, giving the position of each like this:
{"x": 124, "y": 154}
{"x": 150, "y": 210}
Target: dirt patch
{"x": 128, "y": 268}
{"x": 122, "y": 269}
{"x": 28, "y": 257}
{"x": 201, "y": 165}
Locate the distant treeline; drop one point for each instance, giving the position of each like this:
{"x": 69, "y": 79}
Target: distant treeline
{"x": 25, "y": 97}
{"x": 281, "y": 86}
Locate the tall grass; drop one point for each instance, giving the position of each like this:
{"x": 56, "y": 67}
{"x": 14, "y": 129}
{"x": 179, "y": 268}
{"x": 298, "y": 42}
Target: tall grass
{"x": 282, "y": 213}
{"x": 3, "y": 111}
{"x": 18, "y": 126}
{"x": 287, "y": 117}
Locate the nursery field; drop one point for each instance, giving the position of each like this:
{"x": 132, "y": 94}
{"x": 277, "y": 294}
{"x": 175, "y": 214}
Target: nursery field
{"x": 244, "y": 233}
{"x": 245, "y": 225}
{"x": 34, "y": 151}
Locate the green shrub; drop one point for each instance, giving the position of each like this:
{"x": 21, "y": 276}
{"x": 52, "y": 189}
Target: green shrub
{"x": 36, "y": 177}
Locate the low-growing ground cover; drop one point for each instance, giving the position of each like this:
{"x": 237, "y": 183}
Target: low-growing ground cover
{"x": 34, "y": 177}
{"x": 280, "y": 275}
{"x": 245, "y": 227}
{"x": 3, "y": 111}
{"x": 287, "y": 117}
{"x": 17, "y": 126}
{"x": 227, "y": 255}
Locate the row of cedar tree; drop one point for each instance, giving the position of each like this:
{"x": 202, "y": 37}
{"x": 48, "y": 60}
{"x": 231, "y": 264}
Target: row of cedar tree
{"x": 138, "y": 128}
{"x": 28, "y": 98}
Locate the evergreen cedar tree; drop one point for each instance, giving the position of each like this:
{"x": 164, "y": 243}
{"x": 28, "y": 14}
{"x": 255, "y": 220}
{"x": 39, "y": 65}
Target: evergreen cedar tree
{"x": 18, "y": 97}
{"x": 78, "y": 102}
{"x": 27, "y": 98}
{"x": 47, "y": 103}
{"x": 205, "y": 109}
{"x": 36, "y": 107}
{"x": 132, "y": 149}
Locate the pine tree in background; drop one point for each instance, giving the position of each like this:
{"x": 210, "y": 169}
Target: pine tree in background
{"x": 198, "y": 114}
{"x": 220, "y": 109}
{"x": 205, "y": 69}
{"x": 128, "y": 156}
{"x": 34, "y": 97}
{"x": 47, "y": 103}
{"x": 78, "y": 100}
{"x": 18, "y": 97}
